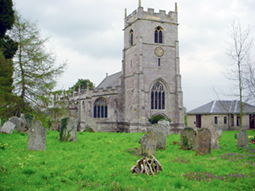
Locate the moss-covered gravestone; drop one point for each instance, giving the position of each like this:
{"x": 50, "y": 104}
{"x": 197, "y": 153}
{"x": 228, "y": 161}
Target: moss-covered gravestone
{"x": 203, "y": 141}
{"x": 242, "y": 139}
{"x": 154, "y": 138}
{"x": 68, "y": 129}
{"x": 188, "y": 138}
{"x": 36, "y": 137}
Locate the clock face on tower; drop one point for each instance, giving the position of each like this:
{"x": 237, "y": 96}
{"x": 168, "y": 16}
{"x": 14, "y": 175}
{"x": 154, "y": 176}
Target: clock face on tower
{"x": 159, "y": 51}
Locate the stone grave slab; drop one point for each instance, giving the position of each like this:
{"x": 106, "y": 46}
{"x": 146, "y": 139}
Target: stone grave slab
{"x": 188, "y": 138}
{"x": 242, "y": 139}
{"x": 148, "y": 144}
{"x": 203, "y": 141}
{"x": 215, "y": 144}
{"x": 68, "y": 129}
{"x": 7, "y": 127}
{"x": 36, "y": 137}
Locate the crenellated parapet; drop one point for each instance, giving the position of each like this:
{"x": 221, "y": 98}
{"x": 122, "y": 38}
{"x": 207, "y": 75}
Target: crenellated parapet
{"x": 150, "y": 14}
{"x": 95, "y": 92}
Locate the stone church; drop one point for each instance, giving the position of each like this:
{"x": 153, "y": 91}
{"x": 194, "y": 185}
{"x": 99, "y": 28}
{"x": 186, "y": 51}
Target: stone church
{"x": 149, "y": 83}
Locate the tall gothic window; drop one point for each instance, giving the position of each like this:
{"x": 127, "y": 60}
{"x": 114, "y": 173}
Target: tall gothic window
{"x": 158, "y": 35}
{"x": 100, "y": 108}
{"x": 157, "y": 96}
{"x": 131, "y": 37}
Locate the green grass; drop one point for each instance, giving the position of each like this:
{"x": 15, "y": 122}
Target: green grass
{"x": 101, "y": 161}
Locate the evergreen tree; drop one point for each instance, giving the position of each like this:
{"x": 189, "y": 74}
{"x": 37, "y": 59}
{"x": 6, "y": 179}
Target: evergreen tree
{"x": 6, "y": 16}
{"x": 82, "y": 83}
{"x": 8, "y": 47}
{"x": 35, "y": 68}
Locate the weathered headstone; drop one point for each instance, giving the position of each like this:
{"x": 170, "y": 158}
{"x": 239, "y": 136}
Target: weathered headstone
{"x": 219, "y": 131}
{"x": 215, "y": 138}
{"x": 166, "y": 124}
{"x": 242, "y": 139}
{"x": 7, "y": 127}
{"x": 203, "y": 141}
{"x": 68, "y": 129}
{"x": 23, "y": 124}
{"x": 154, "y": 138}
{"x": 160, "y": 132}
{"x": 188, "y": 138}
{"x": 36, "y": 137}
{"x": 15, "y": 120}
{"x": 19, "y": 122}
{"x": 148, "y": 144}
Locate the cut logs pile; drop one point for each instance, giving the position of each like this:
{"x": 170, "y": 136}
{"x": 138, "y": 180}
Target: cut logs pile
{"x": 148, "y": 166}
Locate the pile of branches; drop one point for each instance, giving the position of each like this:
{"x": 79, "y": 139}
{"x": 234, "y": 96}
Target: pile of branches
{"x": 148, "y": 166}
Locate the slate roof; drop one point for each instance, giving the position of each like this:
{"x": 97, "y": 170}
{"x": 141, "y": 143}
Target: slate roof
{"x": 110, "y": 81}
{"x": 223, "y": 107}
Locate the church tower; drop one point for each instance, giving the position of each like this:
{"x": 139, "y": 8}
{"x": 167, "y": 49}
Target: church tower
{"x": 151, "y": 80}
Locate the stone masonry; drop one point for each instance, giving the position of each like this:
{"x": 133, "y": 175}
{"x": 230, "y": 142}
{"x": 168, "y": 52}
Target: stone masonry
{"x": 131, "y": 95}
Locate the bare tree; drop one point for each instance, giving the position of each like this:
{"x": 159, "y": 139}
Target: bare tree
{"x": 240, "y": 45}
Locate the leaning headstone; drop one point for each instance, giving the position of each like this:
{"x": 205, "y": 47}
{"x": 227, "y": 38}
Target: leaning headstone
{"x": 188, "y": 138}
{"x": 19, "y": 122}
{"x": 215, "y": 138}
{"x": 156, "y": 134}
{"x": 148, "y": 144}
{"x": 68, "y": 129}
{"x": 15, "y": 120}
{"x": 36, "y": 137}
{"x": 242, "y": 139}
{"x": 7, "y": 127}
{"x": 203, "y": 141}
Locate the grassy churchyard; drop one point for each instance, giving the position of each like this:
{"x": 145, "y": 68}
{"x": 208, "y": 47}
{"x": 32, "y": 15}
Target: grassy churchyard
{"x": 102, "y": 161}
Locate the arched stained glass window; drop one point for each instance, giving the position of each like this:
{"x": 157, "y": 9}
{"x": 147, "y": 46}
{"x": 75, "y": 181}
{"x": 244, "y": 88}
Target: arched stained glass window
{"x": 158, "y": 35}
{"x": 131, "y": 36}
{"x": 157, "y": 96}
{"x": 100, "y": 108}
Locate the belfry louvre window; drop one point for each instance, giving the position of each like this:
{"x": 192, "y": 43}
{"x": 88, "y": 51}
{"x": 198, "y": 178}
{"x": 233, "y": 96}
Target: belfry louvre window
{"x": 131, "y": 37}
{"x": 100, "y": 108}
{"x": 157, "y": 96}
{"x": 158, "y": 35}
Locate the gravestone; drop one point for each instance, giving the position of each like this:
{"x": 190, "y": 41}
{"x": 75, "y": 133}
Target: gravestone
{"x": 148, "y": 144}
{"x": 36, "y": 137}
{"x": 160, "y": 132}
{"x": 23, "y": 127}
{"x": 203, "y": 141}
{"x": 188, "y": 138}
{"x": 7, "y": 127}
{"x": 219, "y": 131}
{"x": 215, "y": 138}
{"x": 154, "y": 138}
{"x": 15, "y": 120}
{"x": 68, "y": 129}
{"x": 19, "y": 122}
{"x": 166, "y": 124}
{"x": 242, "y": 139}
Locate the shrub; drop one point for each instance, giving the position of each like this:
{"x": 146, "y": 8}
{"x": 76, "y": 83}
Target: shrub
{"x": 155, "y": 118}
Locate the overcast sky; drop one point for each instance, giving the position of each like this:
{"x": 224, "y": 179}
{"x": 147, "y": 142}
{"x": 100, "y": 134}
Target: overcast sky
{"x": 88, "y": 33}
